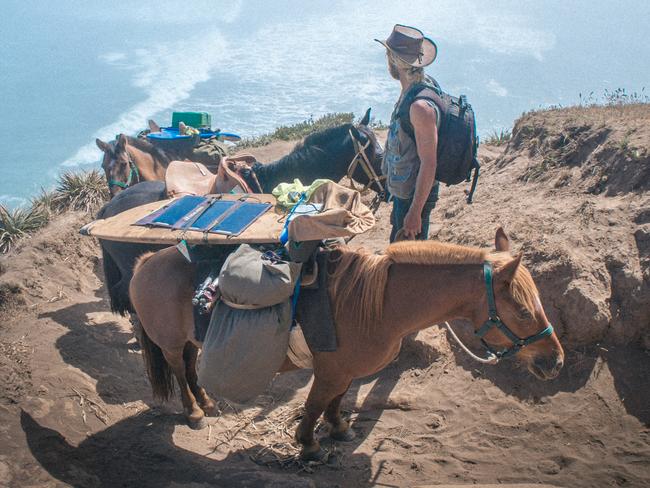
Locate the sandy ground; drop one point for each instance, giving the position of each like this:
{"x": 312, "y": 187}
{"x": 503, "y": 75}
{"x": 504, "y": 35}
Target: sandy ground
{"x": 76, "y": 409}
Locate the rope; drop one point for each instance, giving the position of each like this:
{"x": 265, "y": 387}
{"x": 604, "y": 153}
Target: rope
{"x": 240, "y": 306}
{"x": 491, "y": 359}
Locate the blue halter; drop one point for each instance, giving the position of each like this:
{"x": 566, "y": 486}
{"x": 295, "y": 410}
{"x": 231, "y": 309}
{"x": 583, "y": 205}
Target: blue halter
{"x": 133, "y": 174}
{"x": 494, "y": 321}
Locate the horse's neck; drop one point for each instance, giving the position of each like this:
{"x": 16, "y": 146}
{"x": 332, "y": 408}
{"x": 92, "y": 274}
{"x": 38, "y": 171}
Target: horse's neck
{"x": 149, "y": 167}
{"x": 419, "y": 296}
{"x": 326, "y": 163}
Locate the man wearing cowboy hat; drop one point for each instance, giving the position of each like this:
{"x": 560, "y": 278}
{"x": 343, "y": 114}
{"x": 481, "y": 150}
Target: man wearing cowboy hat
{"x": 410, "y": 162}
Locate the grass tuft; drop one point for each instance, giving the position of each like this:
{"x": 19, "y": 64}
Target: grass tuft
{"x": 84, "y": 191}
{"x": 498, "y": 138}
{"x": 45, "y": 202}
{"x": 18, "y": 223}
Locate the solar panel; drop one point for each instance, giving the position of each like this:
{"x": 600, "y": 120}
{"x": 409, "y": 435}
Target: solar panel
{"x": 207, "y": 214}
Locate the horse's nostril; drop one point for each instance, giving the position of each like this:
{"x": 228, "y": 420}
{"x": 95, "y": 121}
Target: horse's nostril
{"x": 550, "y": 364}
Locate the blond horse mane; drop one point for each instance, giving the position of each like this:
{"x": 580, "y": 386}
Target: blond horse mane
{"x": 360, "y": 277}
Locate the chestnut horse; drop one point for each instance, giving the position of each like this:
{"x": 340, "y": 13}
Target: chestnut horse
{"x": 129, "y": 160}
{"x": 377, "y": 301}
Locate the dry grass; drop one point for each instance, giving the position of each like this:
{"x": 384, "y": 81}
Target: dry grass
{"x": 272, "y": 434}
{"x": 498, "y": 138}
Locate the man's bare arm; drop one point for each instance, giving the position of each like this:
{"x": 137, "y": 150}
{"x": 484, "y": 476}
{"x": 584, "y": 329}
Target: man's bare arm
{"x": 423, "y": 119}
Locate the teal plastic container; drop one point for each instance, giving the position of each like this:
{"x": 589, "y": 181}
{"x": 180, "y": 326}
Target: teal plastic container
{"x": 193, "y": 119}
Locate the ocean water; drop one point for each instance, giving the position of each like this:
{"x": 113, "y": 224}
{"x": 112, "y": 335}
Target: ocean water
{"x": 73, "y": 71}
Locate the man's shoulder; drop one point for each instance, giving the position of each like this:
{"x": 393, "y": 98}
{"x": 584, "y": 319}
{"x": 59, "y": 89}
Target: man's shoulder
{"x": 422, "y": 110}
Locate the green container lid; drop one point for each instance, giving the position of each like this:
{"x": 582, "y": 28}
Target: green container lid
{"x": 193, "y": 119}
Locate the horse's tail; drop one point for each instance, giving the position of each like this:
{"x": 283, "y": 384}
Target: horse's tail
{"x": 119, "y": 300}
{"x": 159, "y": 372}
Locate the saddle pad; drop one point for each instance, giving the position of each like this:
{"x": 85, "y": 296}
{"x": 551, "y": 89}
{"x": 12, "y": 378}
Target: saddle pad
{"x": 265, "y": 229}
{"x": 314, "y": 311}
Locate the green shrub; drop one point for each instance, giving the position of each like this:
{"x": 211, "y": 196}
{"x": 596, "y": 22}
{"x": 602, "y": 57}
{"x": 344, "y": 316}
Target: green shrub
{"x": 84, "y": 190}
{"x": 299, "y": 130}
{"x": 18, "y": 223}
{"x": 498, "y": 138}
{"x": 45, "y": 202}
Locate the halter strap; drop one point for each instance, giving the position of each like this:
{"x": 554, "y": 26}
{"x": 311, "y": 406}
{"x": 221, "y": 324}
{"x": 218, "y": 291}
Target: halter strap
{"x": 360, "y": 158}
{"x": 133, "y": 171}
{"x": 495, "y": 321}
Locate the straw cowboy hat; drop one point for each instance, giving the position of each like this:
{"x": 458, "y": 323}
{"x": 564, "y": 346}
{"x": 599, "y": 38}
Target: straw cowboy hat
{"x": 411, "y": 46}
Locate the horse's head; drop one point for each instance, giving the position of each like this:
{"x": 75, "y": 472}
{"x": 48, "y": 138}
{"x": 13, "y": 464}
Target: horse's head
{"x": 511, "y": 319}
{"x": 117, "y": 164}
{"x": 368, "y": 150}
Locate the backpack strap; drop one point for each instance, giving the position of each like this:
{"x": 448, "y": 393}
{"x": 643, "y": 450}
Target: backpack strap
{"x": 477, "y": 168}
{"x": 427, "y": 90}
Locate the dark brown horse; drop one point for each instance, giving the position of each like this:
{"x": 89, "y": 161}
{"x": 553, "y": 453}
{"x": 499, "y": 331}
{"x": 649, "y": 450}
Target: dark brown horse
{"x": 128, "y": 161}
{"x": 324, "y": 154}
{"x": 377, "y": 299}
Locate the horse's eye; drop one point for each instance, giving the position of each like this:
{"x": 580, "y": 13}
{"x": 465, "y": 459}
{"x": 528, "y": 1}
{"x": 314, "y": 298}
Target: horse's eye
{"x": 525, "y": 314}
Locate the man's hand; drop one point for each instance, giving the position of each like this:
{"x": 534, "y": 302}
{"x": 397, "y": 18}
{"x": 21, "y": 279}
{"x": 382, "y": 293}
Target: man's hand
{"x": 412, "y": 224}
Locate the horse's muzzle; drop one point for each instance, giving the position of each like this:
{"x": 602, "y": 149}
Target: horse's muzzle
{"x": 547, "y": 367}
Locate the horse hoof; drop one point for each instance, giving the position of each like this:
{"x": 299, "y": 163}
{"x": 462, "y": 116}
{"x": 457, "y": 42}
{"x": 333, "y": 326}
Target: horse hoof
{"x": 197, "y": 424}
{"x": 344, "y": 436}
{"x": 319, "y": 456}
{"x": 210, "y": 410}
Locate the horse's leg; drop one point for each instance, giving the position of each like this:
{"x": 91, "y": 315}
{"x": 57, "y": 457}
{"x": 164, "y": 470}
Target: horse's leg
{"x": 193, "y": 413}
{"x": 322, "y": 393}
{"x": 339, "y": 429}
{"x": 206, "y": 403}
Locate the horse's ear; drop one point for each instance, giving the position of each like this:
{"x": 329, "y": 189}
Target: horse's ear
{"x": 121, "y": 143}
{"x": 366, "y": 118}
{"x": 356, "y": 133}
{"x": 501, "y": 241}
{"x": 507, "y": 272}
{"x": 102, "y": 145}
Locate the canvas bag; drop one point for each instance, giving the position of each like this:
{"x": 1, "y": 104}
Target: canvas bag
{"x": 244, "y": 348}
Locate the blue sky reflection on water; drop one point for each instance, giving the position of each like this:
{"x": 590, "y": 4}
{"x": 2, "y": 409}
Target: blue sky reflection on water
{"x": 72, "y": 71}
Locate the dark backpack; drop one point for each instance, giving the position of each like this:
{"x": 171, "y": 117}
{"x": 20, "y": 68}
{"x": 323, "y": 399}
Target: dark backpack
{"x": 457, "y": 139}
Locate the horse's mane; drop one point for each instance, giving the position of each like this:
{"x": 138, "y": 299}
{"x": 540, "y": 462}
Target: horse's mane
{"x": 324, "y": 137}
{"x": 361, "y": 276}
{"x": 308, "y": 159}
{"x": 145, "y": 146}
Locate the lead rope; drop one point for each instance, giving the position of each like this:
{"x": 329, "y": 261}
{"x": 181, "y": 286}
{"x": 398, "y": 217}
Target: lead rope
{"x": 492, "y": 359}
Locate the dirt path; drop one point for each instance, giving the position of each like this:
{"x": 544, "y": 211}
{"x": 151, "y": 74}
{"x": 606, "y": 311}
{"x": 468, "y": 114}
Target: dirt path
{"x": 76, "y": 409}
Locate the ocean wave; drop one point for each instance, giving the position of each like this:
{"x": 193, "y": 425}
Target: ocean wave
{"x": 290, "y": 70}
{"x": 167, "y": 73}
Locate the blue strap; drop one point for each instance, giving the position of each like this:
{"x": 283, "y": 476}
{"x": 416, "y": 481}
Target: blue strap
{"x": 133, "y": 171}
{"x": 494, "y": 321}
{"x": 294, "y": 299}
{"x": 492, "y": 306}
{"x": 284, "y": 236}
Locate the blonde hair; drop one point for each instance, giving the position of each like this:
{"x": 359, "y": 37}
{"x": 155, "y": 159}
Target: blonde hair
{"x": 412, "y": 73}
{"x": 358, "y": 284}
